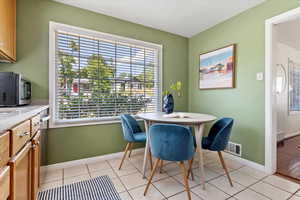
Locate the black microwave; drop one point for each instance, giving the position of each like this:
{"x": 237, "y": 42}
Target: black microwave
{"x": 14, "y": 89}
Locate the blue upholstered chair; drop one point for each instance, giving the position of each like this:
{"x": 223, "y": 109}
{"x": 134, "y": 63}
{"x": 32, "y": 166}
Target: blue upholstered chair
{"x": 218, "y": 138}
{"x": 191, "y": 161}
{"x": 171, "y": 142}
{"x": 132, "y": 133}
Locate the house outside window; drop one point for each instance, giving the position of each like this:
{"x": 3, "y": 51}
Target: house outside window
{"x": 95, "y": 77}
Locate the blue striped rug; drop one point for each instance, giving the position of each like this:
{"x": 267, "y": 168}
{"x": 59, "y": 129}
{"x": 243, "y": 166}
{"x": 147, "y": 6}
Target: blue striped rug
{"x": 100, "y": 188}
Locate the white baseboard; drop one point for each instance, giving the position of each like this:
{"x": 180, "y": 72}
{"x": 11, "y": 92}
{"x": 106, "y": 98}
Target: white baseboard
{"x": 139, "y": 151}
{"x": 280, "y": 135}
{"x": 245, "y": 162}
{"x": 289, "y": 135}
{"x": 90, "y": 160}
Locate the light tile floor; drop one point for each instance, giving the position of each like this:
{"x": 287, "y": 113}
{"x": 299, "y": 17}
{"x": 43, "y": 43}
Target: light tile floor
{"x": 248, "y": 183}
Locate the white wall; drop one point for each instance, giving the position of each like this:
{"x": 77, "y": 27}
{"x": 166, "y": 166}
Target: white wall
{"x": 288, "y": 33}
{"x": 287, "y": 123}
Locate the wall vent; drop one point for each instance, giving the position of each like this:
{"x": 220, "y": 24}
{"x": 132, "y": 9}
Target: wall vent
{"x": 234, "y": 148}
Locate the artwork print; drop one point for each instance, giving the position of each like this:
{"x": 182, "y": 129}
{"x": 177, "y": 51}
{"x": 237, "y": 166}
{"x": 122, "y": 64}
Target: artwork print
{"x": 216, "y": 68}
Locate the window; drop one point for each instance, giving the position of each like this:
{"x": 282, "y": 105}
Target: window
{"x": 95, "y": 77}
{"x": 294, "y": 86}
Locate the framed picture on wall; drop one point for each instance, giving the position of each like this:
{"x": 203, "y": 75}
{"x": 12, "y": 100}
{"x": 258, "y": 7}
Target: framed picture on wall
{"x": 217, "y": 68}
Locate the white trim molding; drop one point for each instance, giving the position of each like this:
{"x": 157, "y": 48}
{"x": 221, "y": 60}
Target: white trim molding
{"x": 55, "y": 27}
{"x": 290, "y": 135}
{"x": 245, "y": 162}
{"x": 140, "y": 151}
{"x": 91, "y": 160}
{"x": 270, "y": 92}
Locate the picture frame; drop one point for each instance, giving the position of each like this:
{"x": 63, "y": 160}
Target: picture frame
{"x": 217, "y": 68}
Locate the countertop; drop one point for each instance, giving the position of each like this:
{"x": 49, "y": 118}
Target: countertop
{"x": 11, "y": 116}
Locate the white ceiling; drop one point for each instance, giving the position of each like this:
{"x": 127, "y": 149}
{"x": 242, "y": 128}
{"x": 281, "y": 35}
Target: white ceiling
{"x": 288, "y": 33}
{"x": 182, "y": 17}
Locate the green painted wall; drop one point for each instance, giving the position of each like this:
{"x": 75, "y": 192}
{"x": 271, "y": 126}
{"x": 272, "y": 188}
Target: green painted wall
{"x": 33, "y": 18}
{"x": 245, "y": 103}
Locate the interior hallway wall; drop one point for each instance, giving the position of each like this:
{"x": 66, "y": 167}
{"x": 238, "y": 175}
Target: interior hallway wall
{"x": 289, "y": 124}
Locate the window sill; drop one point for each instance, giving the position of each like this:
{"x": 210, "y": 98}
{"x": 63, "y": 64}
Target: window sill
{"x": 84, "y": 123}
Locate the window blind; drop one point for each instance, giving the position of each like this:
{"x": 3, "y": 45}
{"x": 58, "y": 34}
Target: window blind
{"x": 294, "y": 85}
{"x": 98, "y": 79}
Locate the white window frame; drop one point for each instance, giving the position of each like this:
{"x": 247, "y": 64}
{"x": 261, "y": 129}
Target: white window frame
{"x": 53, "y": 27}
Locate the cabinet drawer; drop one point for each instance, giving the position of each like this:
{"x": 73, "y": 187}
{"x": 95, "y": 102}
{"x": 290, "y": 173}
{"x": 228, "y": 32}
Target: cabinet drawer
{"x": 35, "y": 124}
{"x": 4, "y": 149}
{"x": 4, "y": 183}
{"x": 20, "y": 135}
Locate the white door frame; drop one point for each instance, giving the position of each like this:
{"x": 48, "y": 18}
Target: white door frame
{"x": 270, "y": 95}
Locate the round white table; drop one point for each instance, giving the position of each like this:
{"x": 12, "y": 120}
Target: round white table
{"x": 196, "y": 120}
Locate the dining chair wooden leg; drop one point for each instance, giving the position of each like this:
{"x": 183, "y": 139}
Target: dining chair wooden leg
{"x": 190, "y": 170}
{"x": 161, "y": 166}
{"x": 185, "y": 178}
{"x": 131, "y": 146}
{"x": 224, "y": 167}
{"x": 125, "y": 153}
{"x": 150, "y": 159}
{"x": 151, "y": 176}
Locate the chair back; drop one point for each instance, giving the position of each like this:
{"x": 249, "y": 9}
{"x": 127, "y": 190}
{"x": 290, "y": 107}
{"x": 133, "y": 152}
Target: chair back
{"x": 130, "y": 127}
{"x": 171, "y": 142}
{"x": 219, "y": 134}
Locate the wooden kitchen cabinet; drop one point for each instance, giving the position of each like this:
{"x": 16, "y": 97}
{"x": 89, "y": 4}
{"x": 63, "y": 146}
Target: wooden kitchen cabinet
{"x": 4, "y": 183}
{"x": 4, "y": 148}
{"x": 20, "y": 135}
{"x": 35, "y": 165}
{"x": 8, "y": 30}
{"x": 35, "y": 124}
{"x": 20, "y": 173}
{"x": 20, "y": 158}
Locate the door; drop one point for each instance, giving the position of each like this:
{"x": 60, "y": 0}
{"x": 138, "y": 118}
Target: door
{"x": 20, "y": 174}
{"x": 35, "y": 165}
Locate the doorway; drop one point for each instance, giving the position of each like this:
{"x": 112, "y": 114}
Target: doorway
{"x": 282, "y": 94}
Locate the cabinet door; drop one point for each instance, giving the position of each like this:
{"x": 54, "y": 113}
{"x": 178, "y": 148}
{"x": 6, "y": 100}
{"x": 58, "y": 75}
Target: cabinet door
{"x": 4, "y": 148}
{"x": 36, "y": 163}
{"x": 4, "y": 183}
{"x": 20, "y": 174}
{"x": 8, "y": 29}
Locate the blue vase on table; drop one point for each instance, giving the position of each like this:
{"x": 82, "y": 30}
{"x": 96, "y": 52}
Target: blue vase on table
{"x": 168, "y": 103}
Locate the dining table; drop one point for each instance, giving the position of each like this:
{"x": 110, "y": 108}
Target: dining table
{"x": 195, "y": 120}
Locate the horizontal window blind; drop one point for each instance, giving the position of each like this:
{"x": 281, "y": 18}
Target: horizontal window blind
{"x": 99, "y": 79}
{"x": 294, "y": 85}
